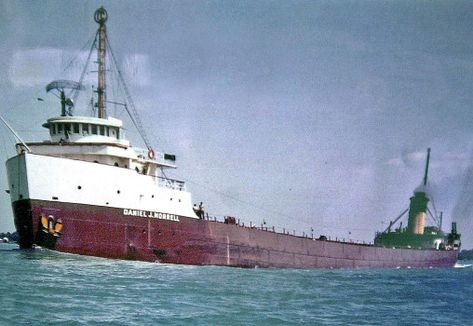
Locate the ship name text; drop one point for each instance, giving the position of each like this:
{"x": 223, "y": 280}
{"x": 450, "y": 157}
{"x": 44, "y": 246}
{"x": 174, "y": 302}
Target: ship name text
{"x": 161, "y": 216}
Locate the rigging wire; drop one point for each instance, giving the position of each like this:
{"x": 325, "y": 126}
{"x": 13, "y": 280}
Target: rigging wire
{"x": 432, "y": 201}
{"x": 72, "y": 61}
{"x": 7, "y": 138}
{"x": 434, "y": 219}
{"x": 82, "y": 75}
{"x": 248, "y": 203}
{"x": 134, "y": 116}
{"x": 278, "y": 213}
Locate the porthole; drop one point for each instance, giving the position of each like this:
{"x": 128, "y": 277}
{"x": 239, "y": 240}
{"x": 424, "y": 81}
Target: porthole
{"x": 79, "y": 187}
{"x": 118, "y": 191}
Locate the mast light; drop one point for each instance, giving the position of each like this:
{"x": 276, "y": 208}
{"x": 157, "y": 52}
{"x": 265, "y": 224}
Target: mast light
{"x": 101, "y": 16}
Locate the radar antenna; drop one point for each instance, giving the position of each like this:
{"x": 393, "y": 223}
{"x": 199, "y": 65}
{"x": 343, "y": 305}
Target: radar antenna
{"x": 59, "y": 86}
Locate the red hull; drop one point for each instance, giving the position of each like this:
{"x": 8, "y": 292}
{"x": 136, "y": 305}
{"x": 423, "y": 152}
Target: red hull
{"x": 107, "y": 232}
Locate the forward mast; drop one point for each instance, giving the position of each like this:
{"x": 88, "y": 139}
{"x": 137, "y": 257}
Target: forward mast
{"x": 101, "y": 17}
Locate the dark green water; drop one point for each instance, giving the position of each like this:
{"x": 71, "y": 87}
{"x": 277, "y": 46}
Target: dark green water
{"x": 50, "y": 288}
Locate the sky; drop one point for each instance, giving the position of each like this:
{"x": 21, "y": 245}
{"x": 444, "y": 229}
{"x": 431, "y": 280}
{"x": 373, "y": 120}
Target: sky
{"x": 302, "y": 114}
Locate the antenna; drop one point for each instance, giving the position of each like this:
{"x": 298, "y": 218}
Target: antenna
{"x": 60, "y": 86}
{"x": 427, "y": 166}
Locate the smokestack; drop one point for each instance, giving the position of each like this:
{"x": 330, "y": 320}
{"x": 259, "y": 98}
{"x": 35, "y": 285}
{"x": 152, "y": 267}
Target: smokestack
{"x": 418, "y": 206}
{"x": 417, "y": 213}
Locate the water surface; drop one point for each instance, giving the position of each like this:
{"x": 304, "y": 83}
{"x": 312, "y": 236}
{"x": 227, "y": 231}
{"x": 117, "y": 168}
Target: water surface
{"x": 46, "y": 287}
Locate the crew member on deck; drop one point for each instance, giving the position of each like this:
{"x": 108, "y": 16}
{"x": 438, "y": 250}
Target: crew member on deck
{"x": 201, "y": 210}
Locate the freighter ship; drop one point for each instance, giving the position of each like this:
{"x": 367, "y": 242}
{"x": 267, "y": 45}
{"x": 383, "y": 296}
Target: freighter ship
{"x": 87, "y": 191}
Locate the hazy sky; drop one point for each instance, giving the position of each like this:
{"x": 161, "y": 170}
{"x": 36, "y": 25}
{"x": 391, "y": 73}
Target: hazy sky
{"x": 302, "y": 113}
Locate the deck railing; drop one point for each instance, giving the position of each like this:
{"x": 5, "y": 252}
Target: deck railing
{"x": 281, "y": 230}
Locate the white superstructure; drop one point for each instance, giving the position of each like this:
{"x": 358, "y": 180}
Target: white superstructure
{"x": 87, "y": 160}
{"x": 51, "y": 178}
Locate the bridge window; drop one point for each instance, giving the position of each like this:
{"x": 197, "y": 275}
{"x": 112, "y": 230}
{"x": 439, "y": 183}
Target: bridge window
{"x": 53, "y": 129}
{"x": 102, "y": 130}
{"x": 75, "y": 128}
{"x": 94, "y": 129}
{"x": 85, "y": 129}
{"x": 60, "y": 129}
{"x": 114, "y": 132}
{"x": 67, "y": 128}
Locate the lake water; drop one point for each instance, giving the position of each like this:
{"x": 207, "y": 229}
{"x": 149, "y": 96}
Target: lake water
{"x": 44, "y": 287}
